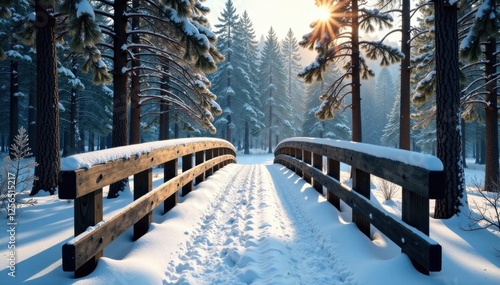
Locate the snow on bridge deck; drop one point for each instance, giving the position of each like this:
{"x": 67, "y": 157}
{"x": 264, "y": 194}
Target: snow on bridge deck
{"x": 247, "y": 224}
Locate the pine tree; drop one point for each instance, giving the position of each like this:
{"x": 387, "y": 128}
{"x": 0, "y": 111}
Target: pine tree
{"x": 273, "y": 91}
{"x": 294, "y": 87}
{"x": 338, "y": 127}
{"x": 249, "y": 104}
{"x": 380, "y": 104}
{"x": 225, "y": 81}
{"x": 483, "y": 23}
{"x": 338, "y": 38}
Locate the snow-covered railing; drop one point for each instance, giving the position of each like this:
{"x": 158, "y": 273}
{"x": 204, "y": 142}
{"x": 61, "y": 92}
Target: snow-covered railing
{"x": 420, "y": 176}
{"x": 84, "y": 175}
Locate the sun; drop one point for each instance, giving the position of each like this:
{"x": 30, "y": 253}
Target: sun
{"x": 323, "y": 13}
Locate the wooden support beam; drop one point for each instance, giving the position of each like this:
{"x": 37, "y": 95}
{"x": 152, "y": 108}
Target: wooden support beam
{"x": 333, "y": 170}
{"x": 318, "y": 163}
{"x": 170, "y": 170}
{"x": 143, "y": 183}
{"x": 187, "y": 163}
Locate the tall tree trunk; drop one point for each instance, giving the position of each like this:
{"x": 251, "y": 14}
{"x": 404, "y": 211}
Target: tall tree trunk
{"x": 464, "y": 140}
{"x": 246, "y": 143}
{"x": 91, "y": 141}
{"x": 356, "y": 82}
{"x": 120, "y": 94}
{"x": 32, "y": 119}
{"x": 491, "y": 179}
{"x": 135, "y": 107}
{"x": 270, "y": 138}
{"x": 48, "y": 156}
{"x": 14, "y": 100}
{"x": 164, "y": 105}
{"x": 448, "y": 109}
{"x": 404, "y": 114}
{"x": 229, "y": 115}
{"x": 71, "y": 149}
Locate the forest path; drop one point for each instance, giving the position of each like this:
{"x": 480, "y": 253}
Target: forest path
{"x": 256, "y": 233}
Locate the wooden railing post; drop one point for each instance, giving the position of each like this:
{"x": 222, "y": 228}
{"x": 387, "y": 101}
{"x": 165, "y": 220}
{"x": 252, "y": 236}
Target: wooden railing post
{"x": 209, "y": 154}
{"x": 88, "y": 212}
{"x": 318, "y": 163}
{"x": 170, "y": 170}
{"x": 361, "y": 184}
{"x": 199, "y": 159}
{"x": 307, "y": 159}
{"x": 333, "y": 170}
{"x": 298, "y": 155}
{"x": 216, "y": 153}
{"x": 143, "y": 183}
{"x": 187, "y": 163}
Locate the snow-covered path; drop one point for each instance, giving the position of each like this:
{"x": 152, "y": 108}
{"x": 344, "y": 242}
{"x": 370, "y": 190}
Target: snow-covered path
{"x": 254, "y": 233}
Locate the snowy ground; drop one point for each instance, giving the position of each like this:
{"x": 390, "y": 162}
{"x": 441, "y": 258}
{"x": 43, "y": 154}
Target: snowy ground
{"x": 251, "y": 223}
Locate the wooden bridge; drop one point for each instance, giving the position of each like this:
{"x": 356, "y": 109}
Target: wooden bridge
{"x": 316, "y": 160}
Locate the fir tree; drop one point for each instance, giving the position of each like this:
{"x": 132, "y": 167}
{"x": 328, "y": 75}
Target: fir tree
{"x": 294, "y": 87}
{"x": 273, "y": 91}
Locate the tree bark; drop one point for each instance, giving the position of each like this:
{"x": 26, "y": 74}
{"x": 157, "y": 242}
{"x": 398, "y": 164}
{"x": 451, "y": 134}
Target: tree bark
{"x": 32, "y": 119}
{"x": 135, "y": 106}
{"x": 404, "y": 114}
{"x": 48, "y": 156}
{"x": 356, "y": 82}
{"x": 14, "y": 100}
{"x": 491, "y": 179}
{"x": 448, "y": 109}
{"x": 120, "y": 88}
{"x": 246, "y": 144}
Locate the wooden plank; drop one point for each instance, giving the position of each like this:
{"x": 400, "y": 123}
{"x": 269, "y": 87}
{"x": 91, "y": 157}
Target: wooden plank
{"x": 420, "y": 248}
{"x": 429, "y": 184}
{"x": 143, "y": 183}
{"x": 84, "y": 181}
{"x": 361, "y": 184}
{"x": 187, "y": 164}
{"x": 88, "y": 244}
{"x": 318, "y": 164}
{"x": 87, "y": 213}
{"x": 298, "y": 155}
{"x": 170, "y": 170}
{"x": 333, "y": 170}
{"x": 199, "y": 159}
{"x": 307, "y": 159}
{"x": 209, "y": 154}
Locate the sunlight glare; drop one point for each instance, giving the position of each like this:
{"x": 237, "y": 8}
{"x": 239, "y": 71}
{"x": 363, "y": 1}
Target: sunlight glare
{"x": 323, "y": 13}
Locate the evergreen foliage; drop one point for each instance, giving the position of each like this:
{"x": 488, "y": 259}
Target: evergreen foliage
{"x": 273, "y": 92}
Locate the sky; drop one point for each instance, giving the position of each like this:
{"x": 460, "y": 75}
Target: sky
{"x": 279, "y": 14}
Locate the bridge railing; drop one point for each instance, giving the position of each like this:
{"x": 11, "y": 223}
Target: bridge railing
{"x": 420, "y": 176}
{"x": 85, "y": 175}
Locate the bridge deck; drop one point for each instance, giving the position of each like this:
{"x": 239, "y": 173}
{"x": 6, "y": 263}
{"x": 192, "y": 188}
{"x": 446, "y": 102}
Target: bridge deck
{"x": 257, "y": 230}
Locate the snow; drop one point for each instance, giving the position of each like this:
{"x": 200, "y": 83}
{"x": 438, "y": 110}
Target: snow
{"x": 84, "y": 8}
{"x": 250, "y": 223}
{"x": 87, "y": 160}
{"x": 422, "y": 160}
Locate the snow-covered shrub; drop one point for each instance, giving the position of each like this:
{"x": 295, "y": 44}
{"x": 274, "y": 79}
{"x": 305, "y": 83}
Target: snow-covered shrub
{"x": 387, "y": 188}
{"x": 485, "y": 212}
{"x": 17, "y": 175}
